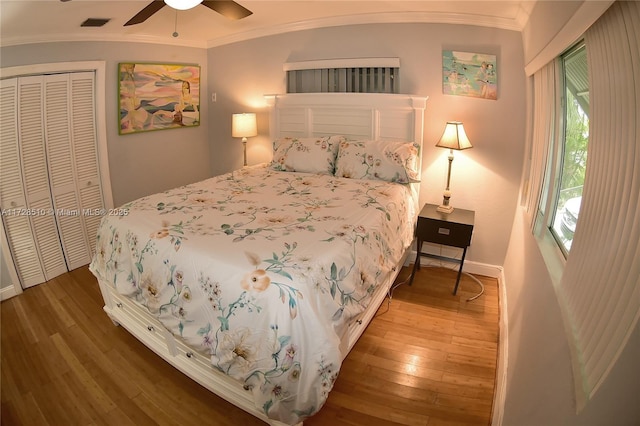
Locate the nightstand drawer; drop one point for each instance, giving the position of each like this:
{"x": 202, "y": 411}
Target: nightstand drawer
{"x": 442, "y": 232}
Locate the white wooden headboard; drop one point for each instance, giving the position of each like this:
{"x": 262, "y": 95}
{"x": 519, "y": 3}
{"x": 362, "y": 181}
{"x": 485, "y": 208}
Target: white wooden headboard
{"x": 357, "y": 115}
{"x": 369, "y": 116}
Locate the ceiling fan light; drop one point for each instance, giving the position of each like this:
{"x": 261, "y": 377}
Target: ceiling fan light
{"x": 182, "y": 4}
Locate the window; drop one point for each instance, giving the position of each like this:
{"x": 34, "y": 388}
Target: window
{"x": 568, "y": 158}
{"x": 359, "y": 75}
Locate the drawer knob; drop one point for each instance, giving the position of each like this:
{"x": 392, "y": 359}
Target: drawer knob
{"x": 189, "y": 354}
{"x": 119, "y": 305}
{"x": 150, "y": 328}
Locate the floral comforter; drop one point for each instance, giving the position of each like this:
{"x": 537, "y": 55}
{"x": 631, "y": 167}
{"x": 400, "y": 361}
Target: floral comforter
{"x": 262, "y": 270}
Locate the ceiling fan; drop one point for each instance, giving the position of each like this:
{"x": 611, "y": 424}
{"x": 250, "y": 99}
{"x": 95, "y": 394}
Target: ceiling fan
{"x": 227, "y": 8}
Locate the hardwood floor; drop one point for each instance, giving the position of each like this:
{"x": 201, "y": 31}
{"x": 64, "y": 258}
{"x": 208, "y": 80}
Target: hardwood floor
{"x": 427, "y": 359}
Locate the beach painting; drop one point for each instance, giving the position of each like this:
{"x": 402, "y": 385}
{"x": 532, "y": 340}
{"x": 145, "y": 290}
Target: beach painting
{"x": 158, "y": 96}
{"x": 469, "y": 74}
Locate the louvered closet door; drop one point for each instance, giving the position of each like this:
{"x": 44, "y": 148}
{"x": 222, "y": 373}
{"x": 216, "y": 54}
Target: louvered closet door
{"x": 31, "y": 135}
{"x": 12, "y": 199}
{"x": 85, "y": 148}
{"x": 50, "y": 191}
{"x": 70, "y": 144}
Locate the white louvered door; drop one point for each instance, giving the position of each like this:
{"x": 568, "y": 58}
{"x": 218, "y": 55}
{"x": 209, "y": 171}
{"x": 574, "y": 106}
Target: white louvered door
{"x": 31, "y": 134}
{"x": 12, "y": 198}
{"x": 56, "y": 157}
{"x": 71, "y": 152}
{"x": 85, "y": 152}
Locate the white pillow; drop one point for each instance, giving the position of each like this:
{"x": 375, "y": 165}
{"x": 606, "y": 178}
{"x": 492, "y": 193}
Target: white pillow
{"x": 391, "y": 161}
{"x": 310, "y": 155}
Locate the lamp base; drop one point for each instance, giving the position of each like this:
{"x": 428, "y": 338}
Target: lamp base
{"x": 444, "y": 209}
{"x": 244, "y": 150}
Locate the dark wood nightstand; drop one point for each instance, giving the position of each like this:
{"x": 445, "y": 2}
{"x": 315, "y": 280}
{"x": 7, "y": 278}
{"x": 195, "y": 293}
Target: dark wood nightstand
{"x": 453, "y": 229}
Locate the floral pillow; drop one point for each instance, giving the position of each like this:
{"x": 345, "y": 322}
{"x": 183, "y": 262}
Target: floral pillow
{"x": 381, "y": 160}
{"x": 310, "y": 155}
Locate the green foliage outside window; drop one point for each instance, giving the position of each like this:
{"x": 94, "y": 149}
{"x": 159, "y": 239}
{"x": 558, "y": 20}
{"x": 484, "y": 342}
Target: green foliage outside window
{"x": 575, "y": 150}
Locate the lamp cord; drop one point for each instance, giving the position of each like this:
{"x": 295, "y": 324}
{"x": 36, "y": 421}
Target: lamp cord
{"x": 440, "y": 265}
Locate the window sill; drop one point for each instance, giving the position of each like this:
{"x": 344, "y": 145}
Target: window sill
{"x": 553, "y": 257}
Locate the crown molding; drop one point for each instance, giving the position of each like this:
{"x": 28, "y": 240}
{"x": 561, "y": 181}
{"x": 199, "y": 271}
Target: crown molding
{"x": 515, "y": 24}
{"x": 373, "y": 18}
{"x": 81, "y": 37}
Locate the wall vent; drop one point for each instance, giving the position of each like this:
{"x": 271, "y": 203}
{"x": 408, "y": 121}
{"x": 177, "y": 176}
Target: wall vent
{"x": 95, "y": 22}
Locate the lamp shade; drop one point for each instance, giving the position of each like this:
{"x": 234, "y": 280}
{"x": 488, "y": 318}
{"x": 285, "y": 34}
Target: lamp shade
{"x": 454, "y": 137}
{"x": 182, "y": 4}
{"x": 244, "y": 125}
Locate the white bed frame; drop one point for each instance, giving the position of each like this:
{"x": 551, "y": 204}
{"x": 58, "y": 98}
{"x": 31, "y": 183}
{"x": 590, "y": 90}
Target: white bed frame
{"x": 358, "y": 115}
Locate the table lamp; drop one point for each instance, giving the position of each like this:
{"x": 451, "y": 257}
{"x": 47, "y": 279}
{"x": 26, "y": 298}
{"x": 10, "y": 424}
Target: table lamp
{"x": 453, "y": 137}
{"x": 243, "y": 126}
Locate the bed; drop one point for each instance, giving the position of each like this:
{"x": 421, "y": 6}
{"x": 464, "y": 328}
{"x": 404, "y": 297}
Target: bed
{"x": 257, "y": 283}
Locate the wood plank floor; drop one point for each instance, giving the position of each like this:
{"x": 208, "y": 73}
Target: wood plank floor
{"x": 428, "y": 358}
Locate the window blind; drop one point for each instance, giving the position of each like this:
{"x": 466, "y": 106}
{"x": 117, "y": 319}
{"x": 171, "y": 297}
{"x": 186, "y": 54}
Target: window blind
{"x": 600, "y": 285}
{"x": 352, "y": 75}
{"x": 352, "y": 80}
{"x": 544, "y": 95}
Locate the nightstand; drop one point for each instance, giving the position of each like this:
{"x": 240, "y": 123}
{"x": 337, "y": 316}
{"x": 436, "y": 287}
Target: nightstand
{"x": 453, "y": 229}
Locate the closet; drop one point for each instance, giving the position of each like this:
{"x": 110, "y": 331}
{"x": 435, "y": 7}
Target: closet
{"x": 50, "y": 186}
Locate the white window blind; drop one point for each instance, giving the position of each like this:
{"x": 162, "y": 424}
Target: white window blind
{"x": 600, "y": 285}
{"x": 362, "y": 75}
{"x": 544, "y": 111}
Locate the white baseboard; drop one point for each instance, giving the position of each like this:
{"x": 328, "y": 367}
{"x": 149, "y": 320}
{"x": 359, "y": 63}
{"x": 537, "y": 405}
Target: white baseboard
{"x": 485, "y": 269}
{"x": 500, "y": 392}
{"x": 493, "y": 271}
{"x": 8, "y": 292}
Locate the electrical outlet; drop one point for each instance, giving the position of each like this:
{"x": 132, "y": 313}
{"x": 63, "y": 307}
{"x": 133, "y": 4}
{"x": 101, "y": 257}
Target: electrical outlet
{"x": 214, "y": 97}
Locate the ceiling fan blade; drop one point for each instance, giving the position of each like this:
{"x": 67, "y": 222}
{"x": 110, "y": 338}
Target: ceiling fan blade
{"x": 145, "y": 13}
{"x": 228, "y": 8}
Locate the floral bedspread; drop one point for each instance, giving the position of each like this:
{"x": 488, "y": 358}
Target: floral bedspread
{"x": 262, "y": 270}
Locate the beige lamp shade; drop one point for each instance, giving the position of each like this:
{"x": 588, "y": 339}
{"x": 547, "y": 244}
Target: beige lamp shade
{"x": 454, "y": 137}
{"x": 244, "y": 125}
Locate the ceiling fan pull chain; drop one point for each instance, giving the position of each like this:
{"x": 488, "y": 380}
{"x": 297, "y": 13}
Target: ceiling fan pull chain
{"x": 175, "y": 27}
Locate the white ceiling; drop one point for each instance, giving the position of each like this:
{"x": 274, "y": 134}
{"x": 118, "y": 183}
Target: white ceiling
{"x": 28, "y": 21}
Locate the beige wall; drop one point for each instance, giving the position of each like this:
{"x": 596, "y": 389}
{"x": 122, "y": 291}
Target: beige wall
{"x": 144, "y": 163}
{"x": 484, "y": 178}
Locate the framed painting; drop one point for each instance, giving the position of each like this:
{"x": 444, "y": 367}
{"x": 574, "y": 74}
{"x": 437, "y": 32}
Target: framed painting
{"x": 157, "y": 96}
{"x": 469, "y": 74}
